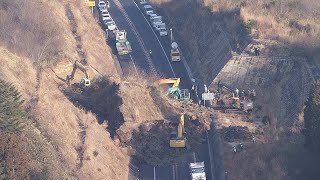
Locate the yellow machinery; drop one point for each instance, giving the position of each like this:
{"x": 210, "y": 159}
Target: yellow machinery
{"x": 84, "y": 81}
{"x": 177, "y": 138}
{"x": 175, "y": 91}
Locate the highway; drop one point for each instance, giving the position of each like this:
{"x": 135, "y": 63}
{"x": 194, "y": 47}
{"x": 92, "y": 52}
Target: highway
{"x": 129, "y": 17}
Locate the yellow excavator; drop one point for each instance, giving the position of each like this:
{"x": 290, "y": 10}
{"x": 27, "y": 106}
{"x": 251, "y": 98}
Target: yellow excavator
{"x": 85, "y": 81}
{"x": 178, "y": 138}
{"x": 175, "y": 92}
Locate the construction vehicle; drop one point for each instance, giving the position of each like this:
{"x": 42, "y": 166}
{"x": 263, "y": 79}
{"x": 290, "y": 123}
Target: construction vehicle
{"x": 174, "y": 91}
{"x": 122, "y": 44}
{"x": 197, "y": 171}
{"x": 178, "y": 138}
{"x": 85, "y": 81}
{"x": 175, "y": 53}
{"x": 240, "y": 102}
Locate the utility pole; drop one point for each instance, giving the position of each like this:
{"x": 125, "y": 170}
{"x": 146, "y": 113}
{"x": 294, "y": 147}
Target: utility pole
{"x": 171, "y": 34}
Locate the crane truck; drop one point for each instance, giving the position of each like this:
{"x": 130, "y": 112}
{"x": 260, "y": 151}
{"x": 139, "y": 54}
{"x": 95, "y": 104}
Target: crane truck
{"x": 178, "y": 138}
{"x": 175, "y": 53}
{"x": 122, "y": 44}
{"x": 174, "y": 91}
{"x": 242, "y": 102}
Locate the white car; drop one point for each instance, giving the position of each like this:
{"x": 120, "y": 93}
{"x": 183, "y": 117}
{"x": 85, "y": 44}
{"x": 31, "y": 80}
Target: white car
{"x": 148, "y": 9}
{"x": 102, "y": 5}
{"x": 106, "y": 16}
{"x": 111, "y": 25}
{"x": 143, "y": 2}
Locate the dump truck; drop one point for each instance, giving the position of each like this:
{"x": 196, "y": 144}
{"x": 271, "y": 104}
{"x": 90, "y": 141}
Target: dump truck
{"x": 197, "y": 171}
{"x": 122, "y": 44}
{"x": 175, "y": 53}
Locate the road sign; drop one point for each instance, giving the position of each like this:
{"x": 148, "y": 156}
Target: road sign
{"x": 90, "y": 3}
{"x": 207, "y": 96}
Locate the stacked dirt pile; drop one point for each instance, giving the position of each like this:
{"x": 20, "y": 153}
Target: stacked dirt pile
{"x": 235, "y": 133}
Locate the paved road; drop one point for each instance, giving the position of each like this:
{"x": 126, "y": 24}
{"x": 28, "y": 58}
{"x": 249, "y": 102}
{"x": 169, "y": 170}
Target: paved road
{"x": 127, "y": 16}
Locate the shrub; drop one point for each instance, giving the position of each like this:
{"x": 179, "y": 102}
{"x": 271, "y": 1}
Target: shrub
{"x": 11, "y": 113}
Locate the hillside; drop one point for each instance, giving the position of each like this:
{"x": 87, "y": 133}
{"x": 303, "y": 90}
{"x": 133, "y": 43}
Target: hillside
{"x": 66, "y": 136}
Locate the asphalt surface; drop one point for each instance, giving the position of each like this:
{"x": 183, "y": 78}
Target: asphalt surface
{"x": 142, "y": 38}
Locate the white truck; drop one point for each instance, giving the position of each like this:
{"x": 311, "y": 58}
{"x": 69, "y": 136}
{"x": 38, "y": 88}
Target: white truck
{"x": 197, "y": 171}
{"x": 161, "y": 28}
{"x": 156, "y": 20}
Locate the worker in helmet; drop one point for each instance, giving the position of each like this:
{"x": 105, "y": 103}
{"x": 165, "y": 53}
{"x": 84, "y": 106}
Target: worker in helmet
{"x": 150, "y": 52}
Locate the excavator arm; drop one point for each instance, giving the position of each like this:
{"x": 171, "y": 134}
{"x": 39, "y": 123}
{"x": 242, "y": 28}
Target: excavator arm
{"x": 78, "y": 65}
{"x": 174, "y": 81}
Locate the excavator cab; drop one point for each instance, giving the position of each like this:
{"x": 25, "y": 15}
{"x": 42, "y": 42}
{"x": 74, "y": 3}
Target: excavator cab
{"x": 174, "y": 91}
{"x": 85, "y": 82}
{"x": 177, "y": 138}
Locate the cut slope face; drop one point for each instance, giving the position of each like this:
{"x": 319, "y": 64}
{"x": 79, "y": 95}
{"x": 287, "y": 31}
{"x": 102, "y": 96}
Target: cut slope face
{"x": 281, "y": 84}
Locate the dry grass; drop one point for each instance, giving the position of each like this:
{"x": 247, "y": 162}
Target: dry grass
{"x": 34, "y": 34}
{"x": 93, "y": 41}
{"x": 285, "y": 159}
{"x": 291, "y": 21}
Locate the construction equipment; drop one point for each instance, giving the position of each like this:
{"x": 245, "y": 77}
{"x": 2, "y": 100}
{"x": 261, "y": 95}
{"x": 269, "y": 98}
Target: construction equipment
{"x": 241, "y": 102}
{"x": 85, "y": 81}
{"x": 122, "y": 44}
{"x": 197, "y": 171}
{"x": 175, "y": 53}
{"x": 178, "y": 138}
{"x": 174, "y": 91}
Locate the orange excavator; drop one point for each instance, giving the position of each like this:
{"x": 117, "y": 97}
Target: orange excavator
{"x": 174, "y": 91}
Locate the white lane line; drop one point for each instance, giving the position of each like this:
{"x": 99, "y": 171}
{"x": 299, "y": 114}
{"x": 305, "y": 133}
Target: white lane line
{"x": 173, "y": 172}
{"x": 140, "y": 41}
{"x": 154, "y": 173}
{"x": 157, "y": 39}
{"x": 134, "y": 65}
{"x": 194, "y": 157}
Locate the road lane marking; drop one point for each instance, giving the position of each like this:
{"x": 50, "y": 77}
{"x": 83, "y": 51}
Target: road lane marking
{"x": 154, "y": 173}
{"x": 133, "y": 64}
{"x": 157, "y": 39}
{"x": 140, "y": 41}
{"x": 173, "y": 173}
{"x": 194, "y": 157}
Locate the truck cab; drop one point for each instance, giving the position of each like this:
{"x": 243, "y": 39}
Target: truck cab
{"x": 156, "y": 20}
{"x": 148, "y": 9}
{"x": 175, "y": 53}
{"x": 197, "y": 171}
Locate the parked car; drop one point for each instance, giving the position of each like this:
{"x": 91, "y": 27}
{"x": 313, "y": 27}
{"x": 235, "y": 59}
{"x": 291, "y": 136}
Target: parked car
{"x": 111, "y": 25}
{"x": 102, "y": 5}
{"x": 148, "y": 9}
{"x": 143, "y": 2}
{"x": 105, "y": 15}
